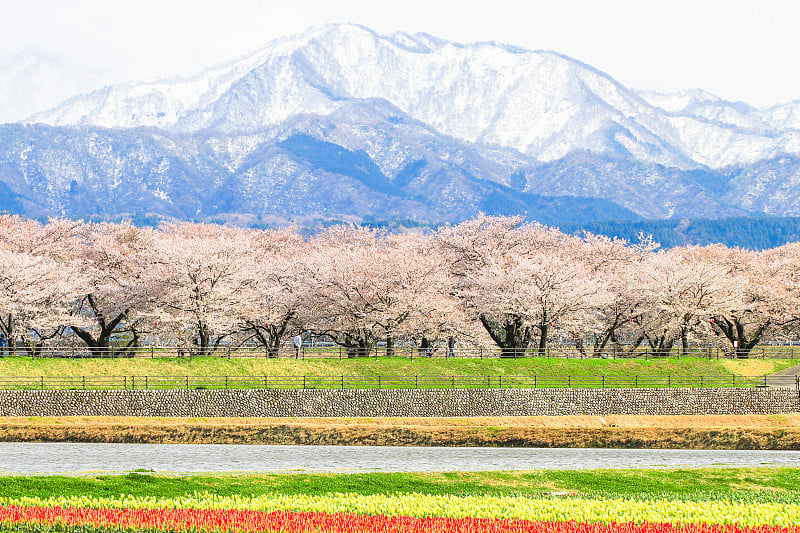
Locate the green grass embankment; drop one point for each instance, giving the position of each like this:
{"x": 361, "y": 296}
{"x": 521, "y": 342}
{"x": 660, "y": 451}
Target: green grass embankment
{"x": 689, "y": 367}
{"x": 741, "y": 484}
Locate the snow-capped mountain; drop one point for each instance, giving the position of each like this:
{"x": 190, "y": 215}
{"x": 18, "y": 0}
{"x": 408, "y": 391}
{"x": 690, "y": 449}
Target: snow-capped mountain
{"x": 542, "y": 104}
{"x": 343, "y": 122}
{"x": 699, "y": 104}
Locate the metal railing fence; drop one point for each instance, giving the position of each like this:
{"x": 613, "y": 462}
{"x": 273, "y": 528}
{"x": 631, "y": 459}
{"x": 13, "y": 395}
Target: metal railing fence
{"x": 439, "y": 352}
{"x": 151, "y": 382}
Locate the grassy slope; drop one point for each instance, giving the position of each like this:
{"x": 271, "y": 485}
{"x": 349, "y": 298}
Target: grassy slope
{"x": 685, "y": 367}
{"x": 747, "y": 484}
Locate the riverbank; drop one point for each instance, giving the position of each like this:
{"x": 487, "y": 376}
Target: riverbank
{"x": 766, "y": 432}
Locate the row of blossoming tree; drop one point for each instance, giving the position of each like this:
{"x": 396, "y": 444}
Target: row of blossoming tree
{"x": 489, "y": 281}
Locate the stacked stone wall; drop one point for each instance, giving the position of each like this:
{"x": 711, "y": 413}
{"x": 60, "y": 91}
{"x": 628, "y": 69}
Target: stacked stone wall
{"x": 397, "y": 403}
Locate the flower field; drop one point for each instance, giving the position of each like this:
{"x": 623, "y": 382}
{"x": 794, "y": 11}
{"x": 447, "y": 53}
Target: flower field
{"x": 411, "y": 513}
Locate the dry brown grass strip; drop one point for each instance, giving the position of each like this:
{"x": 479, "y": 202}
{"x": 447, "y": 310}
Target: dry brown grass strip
{"x": 720, "y": 432}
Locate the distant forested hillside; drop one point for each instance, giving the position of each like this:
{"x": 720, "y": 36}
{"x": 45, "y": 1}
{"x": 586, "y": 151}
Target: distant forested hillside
{"x": 751, "y": 233}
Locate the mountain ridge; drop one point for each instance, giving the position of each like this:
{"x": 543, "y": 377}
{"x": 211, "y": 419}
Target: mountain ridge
{"x": 529, "y": 102}
{"x": 342, "y": 122}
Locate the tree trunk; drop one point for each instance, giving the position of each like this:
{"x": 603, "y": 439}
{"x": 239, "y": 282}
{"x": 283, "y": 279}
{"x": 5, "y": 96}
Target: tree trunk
{"x": 734, "y": 330}
{"x": 206, "y": 344}
{"x": 7, "y": 327}
{"x": 661, "y": 345}
{"x": 389, "y": 346}
{"x": 270, "y": 335}
{"x": 684, "y": 341}
{"x": 99, "y": 346}
{"x": 543, "y": 330}
{"x": 357, "y": 343}
{"x": 512, "y": 336}
{"x": 601, "y": 341}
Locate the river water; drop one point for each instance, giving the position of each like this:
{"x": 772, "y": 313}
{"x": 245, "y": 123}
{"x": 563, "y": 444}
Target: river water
{"x": 51, "y": 458}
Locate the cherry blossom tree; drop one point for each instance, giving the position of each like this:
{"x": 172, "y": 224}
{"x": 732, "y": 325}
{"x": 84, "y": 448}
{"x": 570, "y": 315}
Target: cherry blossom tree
{"x": 676, "y": 288}
{"x": 270, "y": 288}
{"x": 492, "y": 280}
{"x": 614, "y": 264}
{"x": 113, "y": 260}
{"x": 759, "y": 298}
{"x": 37, "y": 286}
{"x": 521, "y": 282}
{"x": 367, "y": 286}
{"x": 195, "y": 270}
{"x": 35, "y": 294}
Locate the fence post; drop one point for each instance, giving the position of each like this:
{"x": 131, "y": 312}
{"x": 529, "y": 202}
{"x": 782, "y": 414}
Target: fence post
{"x": 635, "y": 382}
{"x": 152, "y": 354}
{"x": 416, "y": 381}
{"x": 125, "y": 382}
{"x": 701, "y": 381}
{"x": 500, "y": 381}
{"x": 342, "y": 382}
{"x": 304, "y": 382}
{"x": 42, "y": 382}
{"x": 379, "y": 383}
{"x": 187, "y": 382}
{"x": 454, "y": 382}
{"x": 84, "y": 382}
{"x": 604, "y": 381}
{"x": 226, "y": 382}
{"x": 569, "y": 382}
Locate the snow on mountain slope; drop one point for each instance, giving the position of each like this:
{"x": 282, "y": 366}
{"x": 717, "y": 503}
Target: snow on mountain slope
{"x": 697, "y": 103}
{"x": 539, "y": 103}
{"x": 719, "y": 133}
{"x": 784, "y": 116}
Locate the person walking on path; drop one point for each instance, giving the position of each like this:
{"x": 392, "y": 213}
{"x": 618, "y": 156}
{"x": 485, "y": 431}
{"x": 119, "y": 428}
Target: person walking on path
{"x": 425, "y": 347}
{"x": 298, "y": 343}
{"x": 3, "y": 344}
{"x": 451, "y": 346}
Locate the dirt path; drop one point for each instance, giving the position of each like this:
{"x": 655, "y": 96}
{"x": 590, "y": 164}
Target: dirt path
{"x": 711, "y": 432}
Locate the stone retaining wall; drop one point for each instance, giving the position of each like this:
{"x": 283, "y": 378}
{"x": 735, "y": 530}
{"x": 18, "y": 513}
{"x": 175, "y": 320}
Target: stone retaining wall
{"x": 410, "y": 403}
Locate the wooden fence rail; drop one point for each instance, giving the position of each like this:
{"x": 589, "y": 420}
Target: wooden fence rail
{"x": 437, "y": 351}
{"x": 151, "y": 382}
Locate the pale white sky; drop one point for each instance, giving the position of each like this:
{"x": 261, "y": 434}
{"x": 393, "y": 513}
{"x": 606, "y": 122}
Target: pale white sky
{"x": 737, "y": 49}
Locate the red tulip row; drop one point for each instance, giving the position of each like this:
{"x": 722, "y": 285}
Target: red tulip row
{"x": 291, "y": 522}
